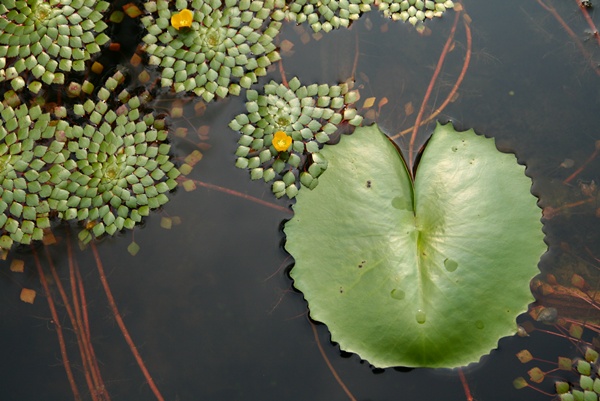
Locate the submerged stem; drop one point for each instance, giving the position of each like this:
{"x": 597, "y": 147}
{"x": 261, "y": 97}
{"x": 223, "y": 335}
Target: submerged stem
{"x": 329, "y": 365}
{"x": 122, "y": 327}
{"x": 59, "y": 332}
{"x": 437, "y": 71}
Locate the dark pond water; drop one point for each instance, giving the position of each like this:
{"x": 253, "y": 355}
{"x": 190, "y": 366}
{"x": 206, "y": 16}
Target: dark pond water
{"x": 209, "y": 303}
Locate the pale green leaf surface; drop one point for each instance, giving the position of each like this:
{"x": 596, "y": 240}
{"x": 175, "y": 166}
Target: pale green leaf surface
{"x": 437, "y": 287}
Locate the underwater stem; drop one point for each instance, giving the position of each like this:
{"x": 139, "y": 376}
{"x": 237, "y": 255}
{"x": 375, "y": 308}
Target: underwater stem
{"x": 583, "y": 166}
{"x": 83, "y": 328}
{"x": 438, "y": 68}
{"x": 59, "y": 333}
{"x": 329, "y": 365}
{"x": 121, "y": 324}
{"x": 572, "y": 34}
{"x": 241, "y": 195}
{"x": 465, "y": 385}
{"x": 459, "y": 80}
{"x": 589, "y": 20}
{"x": 91, "y": 377}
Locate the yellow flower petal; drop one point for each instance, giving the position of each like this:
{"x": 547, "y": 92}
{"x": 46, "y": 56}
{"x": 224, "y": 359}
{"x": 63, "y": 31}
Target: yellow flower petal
{"x": 183, "y": 18}
{"x": 281, "y": 141}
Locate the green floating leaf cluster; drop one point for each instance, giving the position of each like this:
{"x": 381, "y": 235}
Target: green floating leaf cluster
{"x": 414, "y": 11}
{"x": 123, "y": 169}
{"x": 48, "y": 38}
{"x": 108, "y": 169}
{"x": 588, "y": 386}
{"x": 325, "y": 15}
{"x": 226, "y": 48}
{"x": 27, "y": 172}
{"x": 308, "y": 115}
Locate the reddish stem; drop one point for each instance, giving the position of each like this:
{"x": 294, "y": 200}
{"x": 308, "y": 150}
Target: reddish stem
{"x": 86, "y": 323}
{"x": 83, "y": 325}
{"x": 282, "y": 72}
{"x": 570, "y": 32}
{"x": 583, "y": 166}
{"x": 121, "y": 324}
{"x": 454, "y": 88}
{"x": 465, "y": 385}
{"x": 356, "y": 54}
{"x": 589, "y": 20}
{"x": 540, "y": 390}
{"x": 438, "y": 68}
{"x": 84, "y": 309}
{"x": 329, "y": 365}
{"x": 59, "y": 333}
{"x": 91, "y": 376}
{"x": 242, "y": 195}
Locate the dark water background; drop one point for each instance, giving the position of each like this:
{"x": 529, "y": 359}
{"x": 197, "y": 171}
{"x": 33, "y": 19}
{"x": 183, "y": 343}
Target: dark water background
{"x": 209, "y": 303}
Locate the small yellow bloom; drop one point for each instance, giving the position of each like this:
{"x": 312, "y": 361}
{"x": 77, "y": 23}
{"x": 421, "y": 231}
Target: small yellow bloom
{"x": 183, "y": 18}
{"x": 282, "y": 141}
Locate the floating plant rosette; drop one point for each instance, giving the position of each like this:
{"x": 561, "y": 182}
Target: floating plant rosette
{"x": 123, "y": 167}
{"x": 325, "y": 15}
{"x": 211, "y": 48}
{"x": 414, "y": 11}
{"x": 28, "y": 154}
{"x": 284, "y": 129}
{"x": 48, "y": 38}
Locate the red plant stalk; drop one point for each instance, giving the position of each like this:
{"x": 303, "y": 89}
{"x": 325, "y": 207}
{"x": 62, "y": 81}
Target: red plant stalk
{"x": 465, "y": 385}
{"x": 239, "y": 194}
{"x": 583, "y": 166}
{"x": 284, "y": 80}
{"x": 86, "y": 322}
{"x": 83, "y": 324}
{"x": 459, "y": 80}
{"x": 438, "y": 68}
{"x": 589, "y": 20}
{"x": 570, "y": 32}
{"x": 329, "y": 365}
{"x": 121, "y": 324}
{"x": 91, "y": 377}
{"x": 59, "y": 333}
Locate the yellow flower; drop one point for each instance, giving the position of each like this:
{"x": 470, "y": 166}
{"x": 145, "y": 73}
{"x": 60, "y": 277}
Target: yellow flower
{"x": 281, "y": 141}
{"x": 182, "y": 18}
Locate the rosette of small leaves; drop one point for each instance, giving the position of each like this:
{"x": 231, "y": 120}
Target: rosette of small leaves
{"x": 226, "y": 48}
{"x": 48, "y": 38}
{"x": 307, "y": 114}
{"x": 414, "y": 11}
{"x": 325, "y": 15}
{"x": 587, "y": 386}
{"x": 30, "y": 148}
{"x": 122, "y": 167}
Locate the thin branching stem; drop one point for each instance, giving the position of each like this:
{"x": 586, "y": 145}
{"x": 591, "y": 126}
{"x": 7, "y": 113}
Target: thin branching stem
{"x": 122, "y": 327}
{"x": 436, "y": 73}
{"x": 329, "y": 365}
{"x": 91, "y": 377}
{"x": 57, "y": 325}
{"x": 452, "y": 92}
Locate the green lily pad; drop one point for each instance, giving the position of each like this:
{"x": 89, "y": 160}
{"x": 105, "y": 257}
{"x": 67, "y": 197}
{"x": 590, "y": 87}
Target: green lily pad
{"x": 431, "y": 273}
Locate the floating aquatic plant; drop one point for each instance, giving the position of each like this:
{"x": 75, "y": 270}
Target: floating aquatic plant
{"x": 574, "y": 378}
{"x": 284, "y": 129}
{"x": 123, "y": 169}
{"x": 414, "y": 11}
{"x": 26, "y": 179}
{"x": 211, "y": 48}
{"x": 107, "y": 168}
{"x": 391, "y": 264}
{"x": 324, "y": 15}
{"x": 48, "y": 38}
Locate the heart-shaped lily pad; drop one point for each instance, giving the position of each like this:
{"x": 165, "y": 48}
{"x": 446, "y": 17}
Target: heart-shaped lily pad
{"x": 431, "y": 273}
